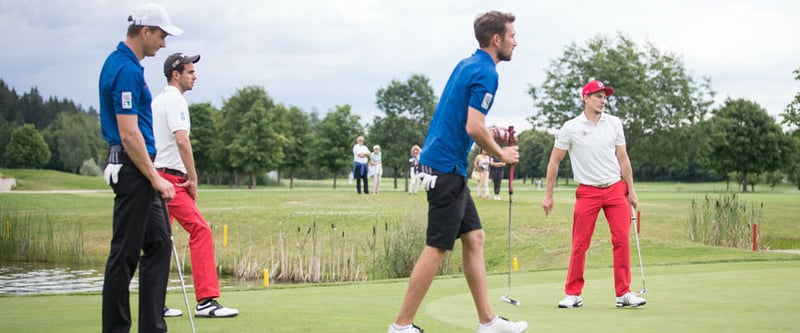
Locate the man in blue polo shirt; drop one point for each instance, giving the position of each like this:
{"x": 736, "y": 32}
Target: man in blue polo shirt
{"x": 458, "y": 120}
{"x": 140, "y": 229}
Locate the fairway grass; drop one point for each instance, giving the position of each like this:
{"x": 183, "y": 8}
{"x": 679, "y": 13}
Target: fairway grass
{"x": 691, "y": 287}
{"x": 721, "y": 297}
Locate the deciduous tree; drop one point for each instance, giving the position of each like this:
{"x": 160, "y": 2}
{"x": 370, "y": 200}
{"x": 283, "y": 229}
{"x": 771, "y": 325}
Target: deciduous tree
{"x": 26, "y": 149}
{"x": 746, "y": 140}
{"x": 407, "y": 110}
{"x": 653, "y": 93}
{"x": 336, "y": 134}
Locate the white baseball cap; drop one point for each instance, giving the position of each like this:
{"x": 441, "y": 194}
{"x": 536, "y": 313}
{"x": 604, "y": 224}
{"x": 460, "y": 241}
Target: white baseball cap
{"x": 153, "y": 15}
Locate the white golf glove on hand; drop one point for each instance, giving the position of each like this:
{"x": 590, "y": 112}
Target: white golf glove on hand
{"x": 111, "y": 173}
{"x": 427, "y": 181}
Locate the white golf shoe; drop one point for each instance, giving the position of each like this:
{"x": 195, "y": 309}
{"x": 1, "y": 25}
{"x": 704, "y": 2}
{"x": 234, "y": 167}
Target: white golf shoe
{"x": 172, "y": 312}
{"x": 212, "y": 309}
{"x": 631, "y": 300}
{"x": 503, "y": 325}
{"x": 571, "y": 301}
{"x": 412, "y": 329}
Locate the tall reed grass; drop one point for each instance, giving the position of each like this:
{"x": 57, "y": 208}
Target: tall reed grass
{"x": 724, "y": 221}
{"x": 328, "y": 253}
{"x": 37, "y": 238}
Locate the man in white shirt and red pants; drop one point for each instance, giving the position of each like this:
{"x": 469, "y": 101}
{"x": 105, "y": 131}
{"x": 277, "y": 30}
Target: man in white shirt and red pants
{"x": 175, "y": 163}
{"x": 600, "y": 163}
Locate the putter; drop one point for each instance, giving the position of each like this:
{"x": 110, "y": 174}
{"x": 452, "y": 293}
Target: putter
{"x": 178, "y": 265}
{"x": 505, "y": 298}
{"x": 638, "y": 248}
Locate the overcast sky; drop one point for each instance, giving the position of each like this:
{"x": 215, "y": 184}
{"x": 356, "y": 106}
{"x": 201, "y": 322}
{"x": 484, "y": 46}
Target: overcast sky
{"x": 320, "y": 54}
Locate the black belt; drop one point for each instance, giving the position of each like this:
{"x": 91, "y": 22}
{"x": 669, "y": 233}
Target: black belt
{"x": 115, "y": 150}
{"x": 430, "y": 171}
{"x": 172, "y": 172}
{"x": 606, "y": 185}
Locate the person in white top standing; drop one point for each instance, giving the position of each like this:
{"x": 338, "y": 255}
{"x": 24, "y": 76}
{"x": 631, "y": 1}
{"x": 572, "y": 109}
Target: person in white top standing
{"x": 413, "y": 171}
{"x": 596, "y": 144}
{"x": 175, "y": 162}
{"x": 361, "y": 156}
{"x": 376, "y": 165}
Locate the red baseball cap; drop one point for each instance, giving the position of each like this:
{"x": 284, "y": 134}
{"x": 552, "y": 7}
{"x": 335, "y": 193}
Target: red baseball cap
{"x": 595, "y": 86}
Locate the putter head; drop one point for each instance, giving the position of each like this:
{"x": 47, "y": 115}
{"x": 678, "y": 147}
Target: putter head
{"x": 510, "y": 301}
{"x": 643, "y": 291}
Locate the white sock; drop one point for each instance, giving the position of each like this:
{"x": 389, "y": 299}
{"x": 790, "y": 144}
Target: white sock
{"x": 491, "y": 323}
{"x": 401, "y": 328}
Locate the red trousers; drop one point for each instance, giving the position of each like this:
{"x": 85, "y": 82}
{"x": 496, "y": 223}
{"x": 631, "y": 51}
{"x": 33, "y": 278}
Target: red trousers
{"x": 201, "y": 242}
{"x": 614, "y": 202}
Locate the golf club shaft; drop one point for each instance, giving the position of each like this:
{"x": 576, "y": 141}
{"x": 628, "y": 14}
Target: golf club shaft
{"x": 165, "y": 211}
{"x": 638, "y": 247}
{"x": 511, "y": 141}
{"x": 183, "y": 286}
{"x": 510, "y": 193}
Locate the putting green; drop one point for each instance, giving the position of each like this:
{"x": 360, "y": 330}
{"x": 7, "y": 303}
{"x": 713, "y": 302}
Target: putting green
{"x": 721, "y": 297}
{"x": 729, "y": 297}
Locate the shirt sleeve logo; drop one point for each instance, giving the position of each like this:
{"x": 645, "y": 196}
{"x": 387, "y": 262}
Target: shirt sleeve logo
{"x": 487, "y": 100}
{"x": 127, "y": 100}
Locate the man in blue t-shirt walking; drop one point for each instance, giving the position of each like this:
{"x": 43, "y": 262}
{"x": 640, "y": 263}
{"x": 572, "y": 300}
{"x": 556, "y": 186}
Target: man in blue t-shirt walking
{"x": 459, "y": 120}
{"x": 140, "y": 230}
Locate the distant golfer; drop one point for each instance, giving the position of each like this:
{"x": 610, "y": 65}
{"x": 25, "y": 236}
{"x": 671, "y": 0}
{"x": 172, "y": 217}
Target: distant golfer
{"x": 596, "y": 145}
{"x": 458, "y": 120}
{"x": 175, "y": 163}
{"x": 140, "y": 235}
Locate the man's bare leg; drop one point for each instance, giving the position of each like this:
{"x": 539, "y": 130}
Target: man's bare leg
{"x": 421, "y": 278}
{"x": 475, "y": 273}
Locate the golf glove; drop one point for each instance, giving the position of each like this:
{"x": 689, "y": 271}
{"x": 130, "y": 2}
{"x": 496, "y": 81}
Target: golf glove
{"x": 111, "y": 173}
{"x": 427, "y": 181}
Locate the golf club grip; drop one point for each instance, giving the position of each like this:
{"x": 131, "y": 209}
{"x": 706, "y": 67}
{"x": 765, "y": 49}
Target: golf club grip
{"x": 638, "y": 221}
{"x": 165, "y": 212}
{"x": 512, "y": 141}
{"x": 511, "y": 180}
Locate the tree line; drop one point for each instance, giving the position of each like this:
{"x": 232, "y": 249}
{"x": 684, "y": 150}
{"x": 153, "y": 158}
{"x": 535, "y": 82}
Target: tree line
{"x": 671, "y": 129}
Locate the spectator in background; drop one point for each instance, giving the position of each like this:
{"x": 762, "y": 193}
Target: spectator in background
{"x": 376, "y": 168}
{"x": 481, "y": 163}
{"x": 361, "y": 165}
{"x": 496, "y": 170}
{"x": 413, "y": 171}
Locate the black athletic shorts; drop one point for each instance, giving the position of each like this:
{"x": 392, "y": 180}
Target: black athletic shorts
{"x": 451, "y": 211}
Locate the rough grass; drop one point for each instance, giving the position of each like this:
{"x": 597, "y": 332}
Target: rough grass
{"x": 256, "y": 217}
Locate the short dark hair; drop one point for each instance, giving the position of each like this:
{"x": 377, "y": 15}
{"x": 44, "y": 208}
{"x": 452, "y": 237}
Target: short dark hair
{"x": 490, "y": 24}
{"x": 134, "y": 29}
{"x": 179, "y": 68}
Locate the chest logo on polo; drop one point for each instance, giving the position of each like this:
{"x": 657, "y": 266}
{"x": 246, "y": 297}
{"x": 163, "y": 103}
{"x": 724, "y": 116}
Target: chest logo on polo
{"x": 487, "y": 100}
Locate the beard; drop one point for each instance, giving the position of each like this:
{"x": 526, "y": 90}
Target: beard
{"x": 504, "y": 56}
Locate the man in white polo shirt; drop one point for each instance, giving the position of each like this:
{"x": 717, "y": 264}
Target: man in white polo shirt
{"x": 596, "y": 145}
{"x": 175, "y": 163}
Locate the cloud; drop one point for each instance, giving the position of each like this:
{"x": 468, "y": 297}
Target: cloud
{"x": 320, "y": 54}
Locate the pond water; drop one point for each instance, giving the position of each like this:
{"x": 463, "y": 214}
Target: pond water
{"x": 25, "y": 280}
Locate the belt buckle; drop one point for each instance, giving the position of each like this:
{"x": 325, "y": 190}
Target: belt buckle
{"x": 606, "y": 185}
